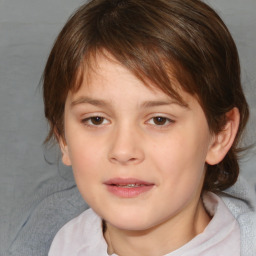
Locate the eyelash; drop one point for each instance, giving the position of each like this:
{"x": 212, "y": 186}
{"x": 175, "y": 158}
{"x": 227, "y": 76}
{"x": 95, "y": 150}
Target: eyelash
{"x": 166, "y": 121}
{"x": 89, "y": 121}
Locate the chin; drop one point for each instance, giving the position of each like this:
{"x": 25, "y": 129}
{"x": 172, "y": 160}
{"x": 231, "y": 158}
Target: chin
{"x": 131, "y": 223}
{"x": 131, "y": 226}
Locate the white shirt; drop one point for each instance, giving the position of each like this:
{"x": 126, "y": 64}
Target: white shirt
{"x": 83, "y": 235}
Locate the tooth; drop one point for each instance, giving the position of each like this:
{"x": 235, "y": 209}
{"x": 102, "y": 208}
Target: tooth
{"x": 129, "y": 185}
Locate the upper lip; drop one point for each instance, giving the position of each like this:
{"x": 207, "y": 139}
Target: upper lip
{"x": 126, "y": 181}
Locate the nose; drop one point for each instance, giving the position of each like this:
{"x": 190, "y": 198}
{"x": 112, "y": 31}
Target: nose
{"x": 126, "y": 147}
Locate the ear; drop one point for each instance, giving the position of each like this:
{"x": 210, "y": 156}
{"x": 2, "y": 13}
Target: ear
{"x": 223, "y": 141}
{"x": 65, "y": 152}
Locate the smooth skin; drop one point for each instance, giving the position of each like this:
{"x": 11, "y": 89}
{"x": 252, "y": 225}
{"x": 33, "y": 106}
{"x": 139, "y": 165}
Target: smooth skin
{"x": 116, "y": 127}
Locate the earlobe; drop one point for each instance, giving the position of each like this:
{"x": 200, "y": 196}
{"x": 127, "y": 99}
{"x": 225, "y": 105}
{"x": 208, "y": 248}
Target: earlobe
{"x": 223, "y": 141}
{"x": 65, "y": 152}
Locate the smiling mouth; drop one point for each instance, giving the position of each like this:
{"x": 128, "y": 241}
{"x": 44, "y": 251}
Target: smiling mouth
{"x": 128, "y": 185}
{"x": 127, "y": 182}
{"x": 128, "y": 188}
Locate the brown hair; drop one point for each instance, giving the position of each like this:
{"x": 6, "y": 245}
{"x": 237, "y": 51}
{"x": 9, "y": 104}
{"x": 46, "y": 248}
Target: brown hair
{"x": 150, "y": 38}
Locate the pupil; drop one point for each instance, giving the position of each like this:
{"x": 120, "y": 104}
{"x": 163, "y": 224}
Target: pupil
{"x": 159, "y": 120}
{"x": 97, "y": 120}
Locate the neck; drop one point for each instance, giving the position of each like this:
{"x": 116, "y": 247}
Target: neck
{"x": 158, "y": 240}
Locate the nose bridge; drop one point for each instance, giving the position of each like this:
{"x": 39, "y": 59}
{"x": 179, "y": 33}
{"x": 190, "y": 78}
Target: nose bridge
{"x": 126, "y": 146}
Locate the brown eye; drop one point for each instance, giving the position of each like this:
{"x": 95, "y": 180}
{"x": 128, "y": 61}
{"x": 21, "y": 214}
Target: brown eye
{"x": 97, "y": 120}
{"x": 159, "y": 120}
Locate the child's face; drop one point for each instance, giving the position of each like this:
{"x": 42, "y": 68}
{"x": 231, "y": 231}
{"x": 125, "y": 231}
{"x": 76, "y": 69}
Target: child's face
{"x": 138, "y": 156}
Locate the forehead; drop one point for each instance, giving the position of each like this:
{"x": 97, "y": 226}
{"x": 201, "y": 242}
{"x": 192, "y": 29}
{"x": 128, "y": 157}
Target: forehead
{"x": 108, "y": 78}
{"x": 101, "y": 67}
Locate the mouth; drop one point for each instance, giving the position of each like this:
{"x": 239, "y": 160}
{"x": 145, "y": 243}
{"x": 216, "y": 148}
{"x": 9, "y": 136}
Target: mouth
{"x": 128, "y": 185}
{"x": 128, "y": 188}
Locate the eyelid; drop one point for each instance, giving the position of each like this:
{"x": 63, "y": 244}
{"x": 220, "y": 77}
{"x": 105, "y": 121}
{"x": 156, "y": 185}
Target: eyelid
{"x": 168, "y": 120}
{"x": 87, "y": 121}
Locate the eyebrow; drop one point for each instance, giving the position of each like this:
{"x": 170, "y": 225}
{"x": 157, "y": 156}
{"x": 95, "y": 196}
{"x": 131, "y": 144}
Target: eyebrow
{"x": 87, "y": 100}
{"x": 149, "y": 104}
{"x": 146, "y": 104}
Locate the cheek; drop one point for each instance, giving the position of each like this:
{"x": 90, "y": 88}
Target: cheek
{"x": 81, "y": 147}
{"x": 181, "y": 159}
{"x": 177, "y": 151}
{"x": 84, "y": 156}
{"x": 84, "y": 164}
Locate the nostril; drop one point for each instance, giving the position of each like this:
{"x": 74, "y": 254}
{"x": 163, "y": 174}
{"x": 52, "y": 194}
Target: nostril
{"x": 125, "y": 152}
{"x": 125, "y": 160}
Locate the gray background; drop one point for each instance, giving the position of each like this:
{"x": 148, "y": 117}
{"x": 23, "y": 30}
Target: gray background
{"x": 27, "y": 31}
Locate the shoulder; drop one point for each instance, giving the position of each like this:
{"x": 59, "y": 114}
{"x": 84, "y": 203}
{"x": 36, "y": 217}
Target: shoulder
{"x": 241, "y": 202}
{"x": 75, "y": 235}
{"x": 55, "y": 203}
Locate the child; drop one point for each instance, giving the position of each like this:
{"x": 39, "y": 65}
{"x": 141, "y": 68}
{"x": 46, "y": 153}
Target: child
{"x": 145, "y": 101}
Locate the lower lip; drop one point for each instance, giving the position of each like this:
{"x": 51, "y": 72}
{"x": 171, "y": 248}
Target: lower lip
{"x": 128, "y": 192}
